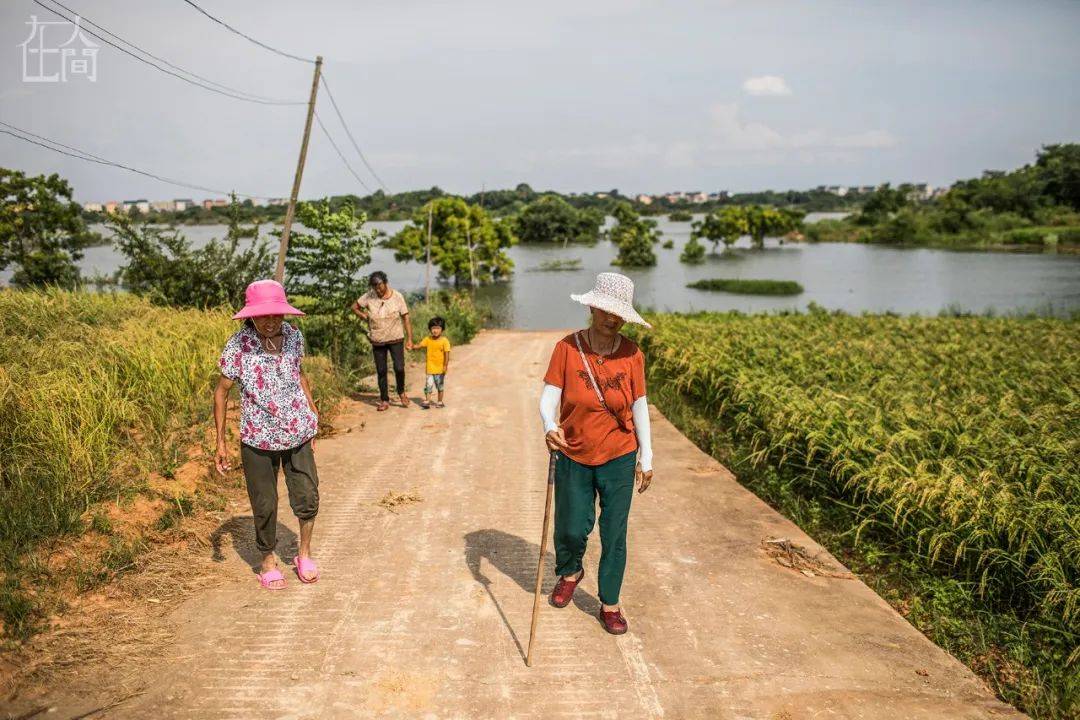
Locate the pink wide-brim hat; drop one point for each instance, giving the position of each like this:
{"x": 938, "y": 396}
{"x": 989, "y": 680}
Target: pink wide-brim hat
{"x": 265, "y": 297}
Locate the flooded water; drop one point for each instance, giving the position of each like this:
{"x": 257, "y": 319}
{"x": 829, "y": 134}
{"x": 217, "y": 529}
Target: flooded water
{"x": 854, "y": 278}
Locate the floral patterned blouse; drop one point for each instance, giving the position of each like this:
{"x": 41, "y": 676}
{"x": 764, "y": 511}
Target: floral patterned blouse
{"x": 274, "y": 412}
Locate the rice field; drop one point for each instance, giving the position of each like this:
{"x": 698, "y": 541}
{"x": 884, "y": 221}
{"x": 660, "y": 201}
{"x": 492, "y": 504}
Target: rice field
{"x": 85, "y": 379}
{"x": 957, "y": 436}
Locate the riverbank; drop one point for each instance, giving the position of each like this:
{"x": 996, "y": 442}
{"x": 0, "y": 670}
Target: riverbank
{"x": 1018, "y": 238}
{"x": 934, "y": 456}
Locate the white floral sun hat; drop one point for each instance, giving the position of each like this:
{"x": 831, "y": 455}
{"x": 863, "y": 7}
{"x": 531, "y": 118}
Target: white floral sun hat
{"x": 614, "y": 293}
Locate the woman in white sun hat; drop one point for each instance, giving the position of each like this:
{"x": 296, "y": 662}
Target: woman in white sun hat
{"x": 596, "y": 418}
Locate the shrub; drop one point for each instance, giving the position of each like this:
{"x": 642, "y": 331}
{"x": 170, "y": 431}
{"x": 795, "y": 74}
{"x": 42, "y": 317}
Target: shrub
{"x": 464, "y": 318}
{"x": 163, "y": 266}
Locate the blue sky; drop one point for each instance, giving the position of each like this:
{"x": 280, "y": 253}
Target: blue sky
{"x": 640, "y": 96}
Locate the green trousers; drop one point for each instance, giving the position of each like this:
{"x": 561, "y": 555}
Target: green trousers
{"x": 576, "y": 489}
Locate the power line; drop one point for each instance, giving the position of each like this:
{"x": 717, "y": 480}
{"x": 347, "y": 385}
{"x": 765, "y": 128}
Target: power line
{"x": 248, "y": 37}
{"x": 340, "y": 154}
{"x": 350, "y": 135}
{"x": 162, "y": 60}
{"x": 90, "y": 157}
{"x": 226, "y": 93}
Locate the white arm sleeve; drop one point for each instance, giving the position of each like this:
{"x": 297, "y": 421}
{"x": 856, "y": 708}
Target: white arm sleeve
{"x": 549, "y": 407}
{"x": 642, "y": 429}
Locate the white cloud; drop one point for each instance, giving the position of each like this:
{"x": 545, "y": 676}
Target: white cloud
{"x": 766, "y": 85}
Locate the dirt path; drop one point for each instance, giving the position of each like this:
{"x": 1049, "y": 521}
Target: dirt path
{"x": 425, "y": 612}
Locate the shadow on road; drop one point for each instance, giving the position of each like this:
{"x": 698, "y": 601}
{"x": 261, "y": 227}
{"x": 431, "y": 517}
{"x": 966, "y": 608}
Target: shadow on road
{"x": 240, "y": 530}
{"x": 516, "y": 558}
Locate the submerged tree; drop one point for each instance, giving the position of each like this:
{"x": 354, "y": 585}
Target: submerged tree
{"x": 762, "y": 222}
{"x": 693, "y": 252}
{"x": 634, "y": 236}
{"x": 467, "y": 246}
{"x": 552, "y": 219}
{"x": 42, "y": 231}
{"x": 726, "y": 225}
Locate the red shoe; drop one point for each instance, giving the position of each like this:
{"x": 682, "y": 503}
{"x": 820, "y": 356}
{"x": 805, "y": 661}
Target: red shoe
{"x": 614, "y": 622}
{"x": 564, "y": 591}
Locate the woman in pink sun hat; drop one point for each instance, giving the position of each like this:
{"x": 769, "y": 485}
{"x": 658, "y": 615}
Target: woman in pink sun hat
{"x": 278, "y": 421}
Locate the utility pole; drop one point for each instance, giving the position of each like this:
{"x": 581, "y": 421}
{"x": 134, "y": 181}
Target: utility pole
{"x": 472, "y": 271}
{"x": 283, "y": 248}
{"x": 427, "y": 276}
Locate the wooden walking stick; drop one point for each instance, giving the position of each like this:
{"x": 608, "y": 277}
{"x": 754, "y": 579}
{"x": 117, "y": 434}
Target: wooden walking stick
{"x": 543, "y": 549}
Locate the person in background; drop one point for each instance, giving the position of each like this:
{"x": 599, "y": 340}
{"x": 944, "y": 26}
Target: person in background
{"x": 390, "y": 331}
{"x": 596, "y": 418}
{"x": 438, "y": 361}
{"x": 278, "y": 421}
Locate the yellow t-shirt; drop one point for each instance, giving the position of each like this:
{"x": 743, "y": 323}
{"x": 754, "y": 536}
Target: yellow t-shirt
{"x": 437, "y": 349}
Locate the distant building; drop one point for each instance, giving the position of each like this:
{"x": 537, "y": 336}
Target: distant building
{"x": 920, "y": 191}
{"x": 110, "y": 207}
{"x": 601, "y": 195}
{"x": 92, "y": 207}
{"x": 699, "y": 197}
{"x": 213, "y": 203}
{"x": 182, "y": 204}
{"x": 838, "y": 190}
{"x": 258, "y": 202}
{"x": 644, "y": 199}
{"x": 141, "y": 206}
{"x": 674, "y": 197}
{"x": 719, "y": 196}
{"x": 279, "y": 201}
{"x": 163, "y": 206}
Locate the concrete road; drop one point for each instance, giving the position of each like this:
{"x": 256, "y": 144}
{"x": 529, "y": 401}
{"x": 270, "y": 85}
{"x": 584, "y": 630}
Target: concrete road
{"x": 424, "y": 612}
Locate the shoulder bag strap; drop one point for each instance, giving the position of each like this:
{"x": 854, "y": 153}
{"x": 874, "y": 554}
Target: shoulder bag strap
{"x": 595, "y": 384}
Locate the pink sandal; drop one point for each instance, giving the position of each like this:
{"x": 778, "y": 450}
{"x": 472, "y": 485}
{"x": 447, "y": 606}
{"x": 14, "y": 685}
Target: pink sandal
{"x": 272, "y": 576}
{"x": 306, "y": 568}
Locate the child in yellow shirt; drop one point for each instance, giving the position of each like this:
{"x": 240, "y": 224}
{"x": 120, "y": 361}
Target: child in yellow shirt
{"x": 438, "y": 360}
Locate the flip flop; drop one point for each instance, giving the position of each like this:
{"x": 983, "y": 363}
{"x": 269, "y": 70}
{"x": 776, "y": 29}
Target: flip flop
{"x": 383, "y": 406}
{"x": 272, "y": 576}
{"x": 306, "y": 567}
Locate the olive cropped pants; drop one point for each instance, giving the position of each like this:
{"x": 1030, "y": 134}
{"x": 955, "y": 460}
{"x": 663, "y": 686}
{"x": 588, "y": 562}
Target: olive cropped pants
{"x": 577, "y": 487}
{"x": 301, "y": 479}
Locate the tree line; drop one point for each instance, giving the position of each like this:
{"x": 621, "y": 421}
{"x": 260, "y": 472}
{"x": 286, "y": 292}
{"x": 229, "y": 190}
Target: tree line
{"x": 1037, "y": 204}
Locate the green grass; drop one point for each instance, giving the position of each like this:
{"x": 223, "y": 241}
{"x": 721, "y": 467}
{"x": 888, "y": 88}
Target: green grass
{"x": 559, "y": 265}
{"x": 749, "y": 287}
{"x": 89, "y": 383}
{"x": 936, "y": 456}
